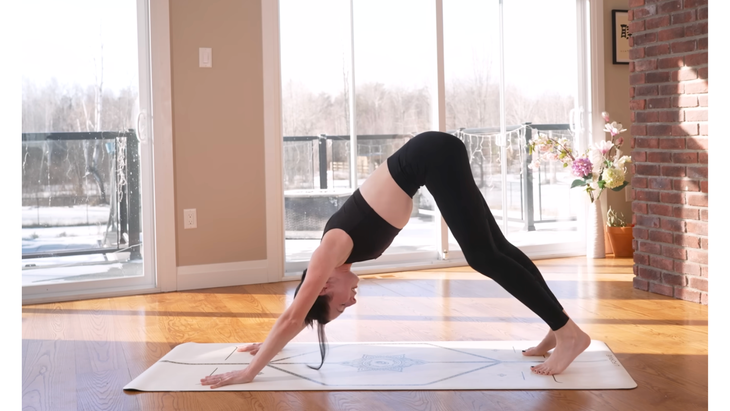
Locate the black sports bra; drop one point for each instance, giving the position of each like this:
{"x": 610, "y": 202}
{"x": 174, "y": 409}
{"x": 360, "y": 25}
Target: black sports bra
{"x": 370, "y": 233}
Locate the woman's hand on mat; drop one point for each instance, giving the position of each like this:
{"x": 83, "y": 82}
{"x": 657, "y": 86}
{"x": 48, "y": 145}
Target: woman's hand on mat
{"x": 229, "y": 378}
{"x": 252, "y": 348}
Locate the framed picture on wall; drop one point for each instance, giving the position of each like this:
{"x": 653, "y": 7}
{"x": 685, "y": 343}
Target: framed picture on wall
{"x": 621, "y": 35}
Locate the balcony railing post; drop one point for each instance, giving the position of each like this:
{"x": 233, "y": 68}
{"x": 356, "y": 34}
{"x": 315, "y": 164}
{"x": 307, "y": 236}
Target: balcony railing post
{"x": 134, "y": 212}
{"x": 322, "y": 161}
{"x": 527, "y": 180}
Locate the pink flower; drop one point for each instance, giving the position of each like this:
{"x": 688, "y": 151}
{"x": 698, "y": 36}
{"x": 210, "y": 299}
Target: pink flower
{"x": 620, "y": 141}
{"x": 605, "y": 116}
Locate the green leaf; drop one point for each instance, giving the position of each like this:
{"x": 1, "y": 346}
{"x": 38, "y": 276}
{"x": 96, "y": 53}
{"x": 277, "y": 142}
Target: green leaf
{"x": 565, "y": 165}
{"x": 601, "y": 184}
{"x": 619, "y": 188}
{"x": 577, "y": 183}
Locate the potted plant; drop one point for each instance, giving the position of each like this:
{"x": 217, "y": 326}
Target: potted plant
{"x": 620, "y": 234}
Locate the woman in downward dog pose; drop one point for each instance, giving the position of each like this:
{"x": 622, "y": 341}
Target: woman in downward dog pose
{"x": 368, "y": 222}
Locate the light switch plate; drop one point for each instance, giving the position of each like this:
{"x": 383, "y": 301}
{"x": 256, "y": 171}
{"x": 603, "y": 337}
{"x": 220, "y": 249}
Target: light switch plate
{"x": 205, "y": 57}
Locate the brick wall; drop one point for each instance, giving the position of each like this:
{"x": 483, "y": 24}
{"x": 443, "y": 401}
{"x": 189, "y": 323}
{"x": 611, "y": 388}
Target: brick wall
{"x": 669, "y": 100}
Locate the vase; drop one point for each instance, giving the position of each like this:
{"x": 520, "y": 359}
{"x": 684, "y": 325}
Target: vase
{"x": 595, "y": 236}
{"x": 621, "y": 239}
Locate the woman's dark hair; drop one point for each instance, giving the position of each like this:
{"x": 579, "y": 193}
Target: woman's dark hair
{"x": 320, "y": 313}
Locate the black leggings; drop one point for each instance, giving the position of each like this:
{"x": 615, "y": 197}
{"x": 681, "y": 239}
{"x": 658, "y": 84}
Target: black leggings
{"x": 440, "y": 162}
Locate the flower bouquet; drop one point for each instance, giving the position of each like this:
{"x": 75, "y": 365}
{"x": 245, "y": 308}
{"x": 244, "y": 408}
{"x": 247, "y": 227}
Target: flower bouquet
{"x": 601, "y": 166}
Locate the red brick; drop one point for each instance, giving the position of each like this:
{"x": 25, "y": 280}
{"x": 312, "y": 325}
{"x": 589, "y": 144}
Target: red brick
{"x": 644, "y": 195}
{"x": 637, "y": 26}
{"x": 697, "y": 227}
{"x": 657, "y": 50}
{"x": 684, "y": 46}
{"x": 643, "y": 142}
{"x": 704, "y": 271}
{"x": 704, "y": 243}
{"x": 674, "y": 279}
{"x": 704, "y": 215}
{"x": 659, "y": 130}
{"x": 670, "y": 34}
{"x": 685, "y": 267}
{"x": 687, "y": 240}
{"x": 698, "y": 143}
{"x": 684, "y": 158}
{"x": 697, "y": 256}
{"x": 646, "y": 65}
{"x": 637, "y": 104}
{"x": 636, "y": 3}
{"x": 637, "y": 207}
{"x": 702, "y": 158}
{"x": 638, "y": 130}
{"x": 702, "y": 72}
{"x": 661, "y": 289}
{"x": 704, "y": 298}
{"x": 641, "y": 233}
{"x": 703, "y": 100}
{"x": 645, "y": 117}
{"x": 694, "y": 29}
{"x": 642, "y": 12}
{"x": 684, "y": 74}
{"x": 685, "y": 101}
{"x": 658, "y": 157}
{"x": 673, "y": 171}
{"x": 647, "y": 221}
{"x": 686, "y": 184}
{"x": 659, "y": 102}
{"x": 683, "y": 17}
{"x": 640, "y": 284}
{"x": 637, "y": 78}
{"x": 677, "y": 226}
{"x": 649, "y": 274}
{"x": 698, "y": 283}
{"x": 688, "y": 294}
{"x": 702, "y": 14}
{"x": 672, "y": 197}
{"x": 636, "y": 53}
{"x": 661, "y": 263}
{"x": 660, "y": 183}
{"x": 697, "y": 199}
{"x": 696, "y": 172}
{"x": 640, "y": 258}
{"x": 641, "y": 40}
{"x": 704, "y": 129}
{"x": 698, "y": 114}
{"x": 703, "y": 186}
{"x": 639, "y": 182}
{"x": 701, "y": 43}
{"x": 695, "y": 60}
{"x": 688, "y": 4}
{"x": 671, "y": 89}
{"x": 696, "y": 87}
{"x": 672, "y": 143}
{"x": 657, "y": 22}
{"x": 685, "y": 129}
{"x": 686, "y": 213}
{"x": 647, "y": 169}
{"x": 661, "y": 237}
{"x": 670, "y": 7}
{"x": 641, "y": 91}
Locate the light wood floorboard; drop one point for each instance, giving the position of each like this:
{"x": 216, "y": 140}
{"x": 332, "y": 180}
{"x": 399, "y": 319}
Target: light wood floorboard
{"x": 78, "y": 355}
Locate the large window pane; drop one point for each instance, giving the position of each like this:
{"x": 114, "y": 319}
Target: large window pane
{"x": 81, "y": 171}
{"x": 395, "y": 57}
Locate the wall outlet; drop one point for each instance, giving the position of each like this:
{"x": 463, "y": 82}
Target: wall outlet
{"x": 190, "y": 218}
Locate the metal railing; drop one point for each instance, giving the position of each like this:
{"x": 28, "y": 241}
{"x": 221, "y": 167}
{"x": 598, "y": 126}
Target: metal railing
{"x": 125, "y": 208}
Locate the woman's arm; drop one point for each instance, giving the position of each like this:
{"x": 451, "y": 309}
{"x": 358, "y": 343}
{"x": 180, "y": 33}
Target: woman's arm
{"x": 331, "y": 253}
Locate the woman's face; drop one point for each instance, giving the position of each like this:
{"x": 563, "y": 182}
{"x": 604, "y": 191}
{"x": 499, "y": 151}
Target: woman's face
{"x": 342, "y": 287}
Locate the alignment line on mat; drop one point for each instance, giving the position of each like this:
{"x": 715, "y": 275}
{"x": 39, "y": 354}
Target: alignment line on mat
{"x": 229, "y": 355}
{"x": 216, "y": 369}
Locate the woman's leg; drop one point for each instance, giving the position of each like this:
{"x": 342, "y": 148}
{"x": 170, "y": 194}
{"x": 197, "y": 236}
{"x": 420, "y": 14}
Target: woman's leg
{"x": 449, "y": 179}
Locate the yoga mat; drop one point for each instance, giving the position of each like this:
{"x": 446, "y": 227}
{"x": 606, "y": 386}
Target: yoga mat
{"x": 442, "y": 365}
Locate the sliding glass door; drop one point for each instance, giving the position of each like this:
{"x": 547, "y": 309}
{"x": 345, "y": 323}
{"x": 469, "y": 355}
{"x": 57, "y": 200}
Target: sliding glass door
{"x": 86, "y": 168}
{"x": 358, "y": 81}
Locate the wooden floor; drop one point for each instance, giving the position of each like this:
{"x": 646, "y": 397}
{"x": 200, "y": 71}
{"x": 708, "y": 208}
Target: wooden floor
{"x": 79, "y": 355}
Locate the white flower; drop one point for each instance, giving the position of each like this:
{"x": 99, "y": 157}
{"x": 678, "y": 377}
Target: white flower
{"x": 614, "y": 128}
{"x": 605, "y": 116}
{"x": 613, "y": 177}
{"x": 621, "y": 162}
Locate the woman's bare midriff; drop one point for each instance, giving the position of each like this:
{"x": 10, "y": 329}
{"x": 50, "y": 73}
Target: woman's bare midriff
{"x": 386, "y": 197}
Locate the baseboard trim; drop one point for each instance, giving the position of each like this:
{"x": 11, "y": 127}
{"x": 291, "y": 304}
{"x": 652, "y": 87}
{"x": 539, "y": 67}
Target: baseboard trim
{"x": 193, "y": 277}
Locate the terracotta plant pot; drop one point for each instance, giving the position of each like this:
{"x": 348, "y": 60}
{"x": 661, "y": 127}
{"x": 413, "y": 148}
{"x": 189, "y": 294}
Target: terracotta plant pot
{"x": 621, "y": 241}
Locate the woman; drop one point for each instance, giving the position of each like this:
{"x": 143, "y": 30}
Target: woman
{"x": 366, "y": 225}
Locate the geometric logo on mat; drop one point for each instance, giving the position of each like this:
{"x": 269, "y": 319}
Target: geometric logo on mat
{"x": 382, "y": 363}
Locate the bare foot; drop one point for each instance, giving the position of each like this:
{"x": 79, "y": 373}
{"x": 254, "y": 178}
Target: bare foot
{"x": 547, "y": 344}
{"x": 570, "y": 342}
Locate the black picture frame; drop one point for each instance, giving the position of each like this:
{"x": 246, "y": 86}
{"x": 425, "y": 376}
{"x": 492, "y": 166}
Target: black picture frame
{"x": 620, "y": 36}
